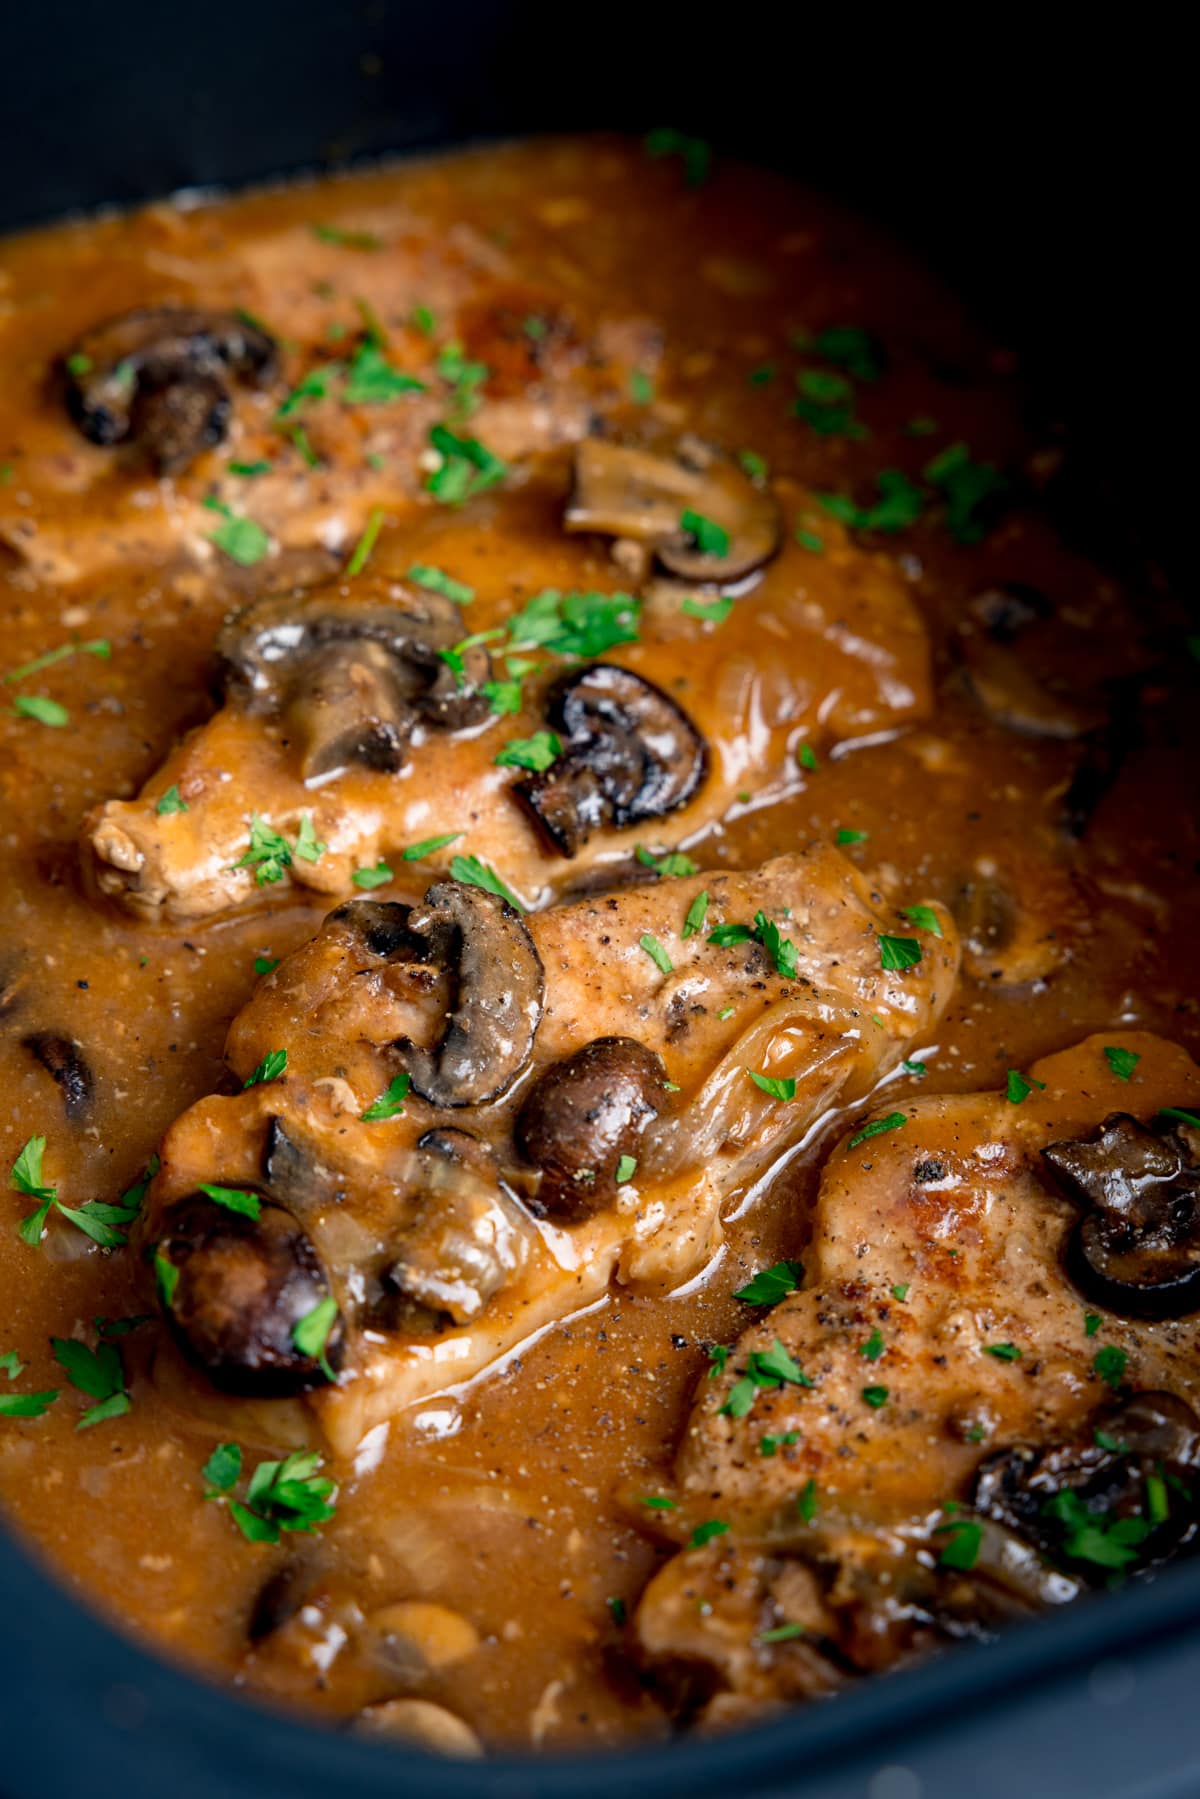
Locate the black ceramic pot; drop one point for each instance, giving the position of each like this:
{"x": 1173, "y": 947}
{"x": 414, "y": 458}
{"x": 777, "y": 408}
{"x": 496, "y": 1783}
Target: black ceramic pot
{"x": 1045, "y": 170}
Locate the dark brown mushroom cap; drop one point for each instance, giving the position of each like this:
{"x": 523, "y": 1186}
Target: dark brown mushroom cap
{"x": 160, "y": 376}
{"x": 1104, "y": 1476}
{"x": 639, "y": 494}
{"x": 469, "y": 1234}
{"x": 1137, "y": 1249}
{"x": 497, "y": 1007}
{"x": 629, "y": 754}
{"x": 243, "y": 1286}
{"x": 357, "y": 668}
{"x": 585, "y": 1113}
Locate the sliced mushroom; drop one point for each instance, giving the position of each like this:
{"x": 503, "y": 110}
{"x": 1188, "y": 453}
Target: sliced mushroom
{"x": 1012, "y": 696}
{"x": 414, "y": 1638}
{"x": 160, "y": 376}
{"x": 65, "y": 1063}
{"x": 355, "y": 670}
{"x": 642, "y": 495}
{"x": 1137, "y": 1249}
{"x": 629, "y": 754}
{"x": 498, "y": 1004}
{"x": 1010, "y": 937}
{"x": 295, "y": 1176}
{"x": 421, "y": 1722}
{"x": 1006, "y": 611}
{"x": 583, "y": 1115}
{"x": 242, "y": 1286}
{"x": 1052, "y": 1495}
{"x": 469, "y": 1236}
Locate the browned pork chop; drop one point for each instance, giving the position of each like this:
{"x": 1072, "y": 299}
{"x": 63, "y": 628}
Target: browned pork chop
{"x": 480, "y": 1121}
{"x": 936, "y": 1327}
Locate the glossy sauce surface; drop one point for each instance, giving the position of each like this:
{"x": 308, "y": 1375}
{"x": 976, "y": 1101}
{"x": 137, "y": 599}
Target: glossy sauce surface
{"x": 514, "y": 1501}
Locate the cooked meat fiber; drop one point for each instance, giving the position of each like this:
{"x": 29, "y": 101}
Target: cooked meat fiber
{"x": 341, "y": 710}
{"x": 452, "y": 1226}
{"x": 938, "y": 1323}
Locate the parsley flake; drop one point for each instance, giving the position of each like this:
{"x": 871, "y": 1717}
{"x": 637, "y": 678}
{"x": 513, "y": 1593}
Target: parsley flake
{"x": 656, "y": 953}
{"x": 436, "y": 580}
{"x": 875, "y": 1397}
{"x": 896, "y": 953}
{"x": 269, "y": 1069}
{"x": 171, "y": 801}
{"x": 361, "y": 553}
{"x": 239, "y": 538}
{"x": 1121, "y": 1061}
{"x": 390, "y": 1103}
{"x": 704, "y": 1533}
{"x": 1109, "y": 1363}
{"x": 428, "y": 846}
{"x": 367, "y": 878}
{"x": 877, "y": 1127}
{"x": 770, "y": 1285}
{"x": 1018, "y": 1087}
{"x": 536, "y": 752}
{"x": 474, "y": 873}
{"x": 96, "y": 1372}
{"x": 234, "y": 1199}
{"x": 782, "y": 1088}
{"x": 310, "y": 1334}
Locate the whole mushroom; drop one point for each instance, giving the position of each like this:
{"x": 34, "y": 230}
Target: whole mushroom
{"x": 583, "y": 1116}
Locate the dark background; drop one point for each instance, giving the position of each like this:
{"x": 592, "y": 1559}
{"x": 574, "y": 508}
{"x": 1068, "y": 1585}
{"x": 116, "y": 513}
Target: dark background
{"x": 1046, "y": 166}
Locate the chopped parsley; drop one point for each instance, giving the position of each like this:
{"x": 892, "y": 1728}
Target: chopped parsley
{"x": 616, "y": 1607}
{"x": 96, "y": 1372}
{"x": 656, "y": 1503}
{"x": 769, "y": 1445}
{"x": 781, "y": 949}
{"x": 360, "y": 555}
{"x": 704, "y": 1533}
{"x": 966, "y": 487}
{"x": 428, "y": 846}
{"x": 641, "y": 388}
{"x": 1191, "y": 1119}
{"x": 43, "y": 710}
{"x": 390, "y": 1103}
{"x": 467, "y": 467}
{"x": 626, "y": 1169}
{"x": 576, "y": 624}
{"x": 917, "y": 1069}
{"x": 287, "y": 1495}
{"x": 372, "y": 381}
{"x": 770, "y": 1285}
{"x": 695, "y": 152}
{"x": 1003, "y": 1352}
{"x": 367, "y": 878}
{"x": 846, "y": 836}
{"x": 27, "y": 1405}
{"x": 924, "y": 918}
{"x": 536, "y": 752}
{"x": 98, "y": 646}
{"x": 239, "y": 538}
{"x": 234, "y": 1199}
{"x": 97, "y": 1219}
{"x": 810, "y": 541}
{"x": 782, "y": 1088}
{"x": 897, "y": 953}
{"x": 902, "y": 1292}
{"x": 347, "y": 240}
{"x": 1109, "y": 1363}
{"x": 436, "y": 580}
{"x": 1091, "y": 1323}
{"x": 465, "y": 378}
{"x": 1121, "y": 1061}
{"x": 249, "y": 471}
{"x": 264, "y": 964}
{"x": 166, "y": 1278}
{"x": 874, "y": 1346}
{"x": 171, "y": 801}
{"x": 223, "y": 1469}
{"x": 310, "y": 1334}
{"x": 806, "y": 756}
{"x": 877, "y": 1127}
{"x": 899, "y": 505}
{"x": 769, "y": 1369}
{"x": 1094, "y": 1536}
{"x": 709, "y": 538}
{"x": 780, "y": 1633}
{"x": 672, "y": 864}
{"x": 875, "y": 1397}
{"x": 718, "y": 1355}
{"x": 269, "y": 1069}
{"x": 826, "y": 404}
{"x": 851, "y": 348}
{"x": 697, "y": 912}
{"x": 963, "y": 1539}
{"x": 474, "y": 873}
{"x": 656, "y": 953}
{"x": 1018, "y": 1087}
{"x": 269, "y": 853}
{"x": 710, "y": 612}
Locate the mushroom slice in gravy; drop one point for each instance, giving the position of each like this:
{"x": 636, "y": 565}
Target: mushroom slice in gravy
{"x": 596, "y": 1126}
{"x": 937, "y": 1326}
